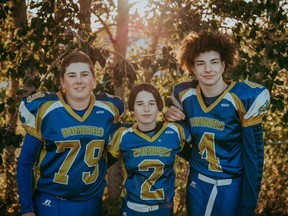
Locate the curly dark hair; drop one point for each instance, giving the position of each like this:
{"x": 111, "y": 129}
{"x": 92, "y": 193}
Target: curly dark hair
{"x": 196, "y": 43}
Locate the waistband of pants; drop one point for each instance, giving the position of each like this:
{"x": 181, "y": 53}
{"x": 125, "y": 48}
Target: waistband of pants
{"x": 148, "y": 208}
{"x": 63, "y": 198}
{"x": 217, "y": 182}
{"x": 142, "y": 207}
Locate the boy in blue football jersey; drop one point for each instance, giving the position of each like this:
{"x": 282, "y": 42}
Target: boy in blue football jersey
{"x": 148, "y": 149}
{"x": 61, "y": 167}
{"x": 226, "y": 162}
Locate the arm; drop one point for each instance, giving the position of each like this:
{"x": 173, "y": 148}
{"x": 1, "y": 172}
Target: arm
{"x": 175, "y": 111}
{"x": 253, "y": 158}
{"x": 26, "y": 161}
{"x": 186, "y": 140}
{"x": 113, "y": 148}
{"x": 253, "y": 147}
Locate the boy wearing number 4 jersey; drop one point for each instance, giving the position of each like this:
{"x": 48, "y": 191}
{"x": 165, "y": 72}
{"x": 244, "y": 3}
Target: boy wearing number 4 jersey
{"x": 66, "y": 135}
{"x": 226, "y": 162}
{"x": 148, "y": 149}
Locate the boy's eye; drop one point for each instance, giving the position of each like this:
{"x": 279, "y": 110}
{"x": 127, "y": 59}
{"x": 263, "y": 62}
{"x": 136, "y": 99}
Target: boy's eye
{"x": 199, "y": 64}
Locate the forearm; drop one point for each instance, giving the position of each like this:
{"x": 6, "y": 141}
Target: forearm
{"x": 25, "y": 185}
{"x": 26, "y": 162}
{"x": 253, "y": 158}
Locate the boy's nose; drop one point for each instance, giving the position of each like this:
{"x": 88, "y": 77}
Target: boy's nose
{"x": 207, "y": 67}
{"x": 146, "y": 108}
{"x": 78, "y": 79}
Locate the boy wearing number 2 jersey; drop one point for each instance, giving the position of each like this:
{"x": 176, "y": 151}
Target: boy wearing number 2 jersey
{"x": 148, "y": 149}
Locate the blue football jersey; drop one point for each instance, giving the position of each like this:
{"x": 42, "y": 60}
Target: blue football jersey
{"x": 71, "y": 163}
{"x": 217, "y": 129}
{"x": 149, "y": 161}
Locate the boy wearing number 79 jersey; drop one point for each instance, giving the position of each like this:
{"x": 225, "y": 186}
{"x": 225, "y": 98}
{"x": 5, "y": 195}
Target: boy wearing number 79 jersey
{"x": 66, "y": 135}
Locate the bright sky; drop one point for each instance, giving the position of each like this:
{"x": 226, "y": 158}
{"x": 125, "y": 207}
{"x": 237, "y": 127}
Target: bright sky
{"x": 139, "y": 6}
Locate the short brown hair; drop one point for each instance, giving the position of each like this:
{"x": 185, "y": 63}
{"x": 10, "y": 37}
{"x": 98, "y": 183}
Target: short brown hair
{"x": 75, "y": 57}
{"x": 196, "y": 43}
{"x": 144, "y": 87}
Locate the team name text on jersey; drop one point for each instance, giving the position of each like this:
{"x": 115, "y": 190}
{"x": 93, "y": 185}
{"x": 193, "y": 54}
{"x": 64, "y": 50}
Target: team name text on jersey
{"x": 77, "y": 130}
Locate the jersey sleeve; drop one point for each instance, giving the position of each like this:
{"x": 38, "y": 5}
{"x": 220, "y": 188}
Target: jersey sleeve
{"x": 253, "y": 146}
{"x": 114, "y": 145}
{"x": 175, "y": 98}
{"x": 186, "y": 138}
{"x": 29, "y": 108}
{"x": 258, "y": 108}
{"x": 114, "y": 104}
{"x": 26, "y": 161}
{"x": 181, "y": 91}
{"x": 184, "y": 132}
{"x": 253, "y": 159}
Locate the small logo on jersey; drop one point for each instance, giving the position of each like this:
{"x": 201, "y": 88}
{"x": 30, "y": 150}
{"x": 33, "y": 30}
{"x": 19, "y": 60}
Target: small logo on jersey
{"x": 100, "y": 112}
{"x": 47, "y": 203}
{"x": 159, "y": 140}
{"x": 264, "y": 108}
{"x": 124, "y": 214}
{"x": 224, "y": 105}
{"x": 169, "y": 132}
{"x": 193, "y": 184}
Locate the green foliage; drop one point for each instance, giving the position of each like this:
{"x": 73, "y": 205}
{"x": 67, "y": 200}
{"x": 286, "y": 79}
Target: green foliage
{"x": 274, "y": 189}
{"x": 9, "y": 197}
{"x": 9, "y": 138}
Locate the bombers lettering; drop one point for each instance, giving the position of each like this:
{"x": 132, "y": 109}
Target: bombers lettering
{"x": 152, "y": 150}
{"x": 71, "y": 131}
{"x": 207, "y": 122}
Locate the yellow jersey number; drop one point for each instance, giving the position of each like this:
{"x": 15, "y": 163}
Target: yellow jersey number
{"x": 207, "y": 151}
{"x": 90, "y": 159}
{"x": 146, "y": 192}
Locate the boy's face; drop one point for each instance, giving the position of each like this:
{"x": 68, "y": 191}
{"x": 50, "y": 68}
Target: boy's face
{"x": 145, "y": 110}
{"x": 78, "y": 82}
{"x": 208, "y": 68}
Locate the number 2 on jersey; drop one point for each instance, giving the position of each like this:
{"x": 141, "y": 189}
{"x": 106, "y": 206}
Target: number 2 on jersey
{"x": 207, "y": 151}
{"x": 95, "y": 146}
{"x": 146, "y": 192}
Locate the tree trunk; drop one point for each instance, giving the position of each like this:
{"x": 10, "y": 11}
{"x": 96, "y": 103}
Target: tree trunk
{"x": 115, "y": 173}
{"x": 276, "y": 2}
{"x": 122, "y": 30}
{"x": 20, "y": 21}
{"x": 156, "y": 34}
{"x": 85, "y": 17}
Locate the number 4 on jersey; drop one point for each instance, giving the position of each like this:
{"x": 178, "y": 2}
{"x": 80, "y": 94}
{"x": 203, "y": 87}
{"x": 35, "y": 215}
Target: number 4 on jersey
{"x": 207, "y": 151}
